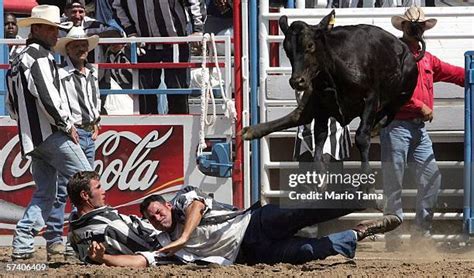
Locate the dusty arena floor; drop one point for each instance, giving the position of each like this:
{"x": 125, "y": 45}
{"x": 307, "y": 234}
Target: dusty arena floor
{"x": 370, "y": 261}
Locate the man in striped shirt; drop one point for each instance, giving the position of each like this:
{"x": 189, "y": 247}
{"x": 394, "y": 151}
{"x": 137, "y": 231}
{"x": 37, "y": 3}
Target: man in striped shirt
{"x": 11, "y": 32}
{"x": 95, "y": 221}
{"x": 157, "y": 18}
{"x": 46, "y": 130}
{"x": 80, "y": 89}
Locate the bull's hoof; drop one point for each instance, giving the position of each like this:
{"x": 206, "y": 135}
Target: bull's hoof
{"x": 247, "y": 133}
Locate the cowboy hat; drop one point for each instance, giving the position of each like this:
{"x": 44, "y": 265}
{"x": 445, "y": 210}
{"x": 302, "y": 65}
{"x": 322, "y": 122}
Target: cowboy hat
{"x": 44, "y": 14}
{"x": 75, "y": 34}
{"x": 413, "y": 14}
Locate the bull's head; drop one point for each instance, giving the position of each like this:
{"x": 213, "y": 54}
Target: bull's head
{"x": 416, "y": 29}
{"x": 301, "y": 46}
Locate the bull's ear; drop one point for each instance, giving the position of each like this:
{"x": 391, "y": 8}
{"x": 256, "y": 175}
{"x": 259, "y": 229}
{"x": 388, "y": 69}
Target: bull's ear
{"x": 283, "y": 23}
{"x": 328, "y": 21}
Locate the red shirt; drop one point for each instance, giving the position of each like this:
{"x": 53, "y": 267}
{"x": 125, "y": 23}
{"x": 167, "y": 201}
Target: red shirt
{"x": 430, "y": 70}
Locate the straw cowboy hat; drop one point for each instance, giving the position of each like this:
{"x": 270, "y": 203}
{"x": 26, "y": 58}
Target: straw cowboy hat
{"x": 75, "y": 34}
{"x": 44, "y": 14}
{"x": 413, "y": 14}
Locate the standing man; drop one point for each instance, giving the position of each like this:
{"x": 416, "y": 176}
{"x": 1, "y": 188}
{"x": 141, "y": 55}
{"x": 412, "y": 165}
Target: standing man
{"x": 406, "y": 141}
{"x": 46, "y": 130}
{"x": 11, "y": 32}
{"x": 157, "y": 18}
{"x": 80, "y": 88}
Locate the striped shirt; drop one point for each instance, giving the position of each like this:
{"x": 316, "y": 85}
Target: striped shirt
{"x": 120, "y": 233}
{"x": 34, "y": 99}
{"x": 337, "y": 144}
{"x": 90, "y": 25}
{"x": 81, "y": 91}
{"x": 123, "y": 77}
{"x": 157, "y": 18}
{"x": 15, "y": 50}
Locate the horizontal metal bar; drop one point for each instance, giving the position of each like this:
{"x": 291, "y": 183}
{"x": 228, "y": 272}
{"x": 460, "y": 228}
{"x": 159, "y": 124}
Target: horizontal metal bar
{"x": 161, "y": 65}
{"x": 356, "y": 164}
{"x": 190, "y": 91}
{"x": 280, "y": 38}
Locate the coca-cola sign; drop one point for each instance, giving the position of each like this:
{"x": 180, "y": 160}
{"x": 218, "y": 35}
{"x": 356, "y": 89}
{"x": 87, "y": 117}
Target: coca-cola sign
{"x": 132, "y": 160}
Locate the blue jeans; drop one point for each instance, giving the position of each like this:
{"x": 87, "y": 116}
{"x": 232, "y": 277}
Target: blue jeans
{"x": 270, "y": 236}
{"x": 57, "y": 154}
{"x": 55, "y": 223}
{"x": 407, "y": 143}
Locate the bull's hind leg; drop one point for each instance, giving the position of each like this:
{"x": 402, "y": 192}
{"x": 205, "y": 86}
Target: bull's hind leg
{"x": 362, "y": 137}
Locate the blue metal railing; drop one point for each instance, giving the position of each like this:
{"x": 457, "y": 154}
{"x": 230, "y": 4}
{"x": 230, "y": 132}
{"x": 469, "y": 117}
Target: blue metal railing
{"x": 468, "y": 211}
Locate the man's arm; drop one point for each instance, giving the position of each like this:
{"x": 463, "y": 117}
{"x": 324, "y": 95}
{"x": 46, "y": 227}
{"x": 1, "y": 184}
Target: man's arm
{"x": 123, "y": 17}
{"x": 198, "y": 14}
{"x": 194, "y": 214}
{"x": 97, "y": 254}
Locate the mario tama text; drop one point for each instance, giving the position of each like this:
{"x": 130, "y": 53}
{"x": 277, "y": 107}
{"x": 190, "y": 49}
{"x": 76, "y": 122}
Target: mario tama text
{"x": 308, "y": 188}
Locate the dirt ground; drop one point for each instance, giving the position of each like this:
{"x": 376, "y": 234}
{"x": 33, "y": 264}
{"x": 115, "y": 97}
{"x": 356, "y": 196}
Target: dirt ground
{"x": 371, "y": 260}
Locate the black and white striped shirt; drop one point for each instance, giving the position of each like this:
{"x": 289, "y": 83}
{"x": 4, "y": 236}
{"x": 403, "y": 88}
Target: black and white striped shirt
{"x": 90, "y": 25}
{"x": 81, "y": 91}
{"x": 123, "y": 77}
{"x": 34, "y": 99}
{"x": 120, "y": 233}
{"x": 337, "y": 144}
{"x": 157, "y": 18}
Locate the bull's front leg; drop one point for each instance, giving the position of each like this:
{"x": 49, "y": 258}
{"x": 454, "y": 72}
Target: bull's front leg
{"x": 303, "y": 114}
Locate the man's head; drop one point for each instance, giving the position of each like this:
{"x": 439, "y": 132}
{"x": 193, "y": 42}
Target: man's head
{"x": 44, "y": 22}
{"x": 76, "y": 44}
{"x": 85, "y": 191}
{"x": 75, "y": 11}
{"x": 413, "y": 23}
{"x": 10, "y": 27}
{"x": 158, "y": 212}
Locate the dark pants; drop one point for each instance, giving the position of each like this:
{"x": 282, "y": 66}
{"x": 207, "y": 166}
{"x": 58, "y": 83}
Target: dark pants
{"x": 270, "y": 236}
{"x": 174, "y": 78}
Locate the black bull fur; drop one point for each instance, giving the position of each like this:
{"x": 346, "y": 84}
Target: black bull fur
{"x": 345, "y": 72}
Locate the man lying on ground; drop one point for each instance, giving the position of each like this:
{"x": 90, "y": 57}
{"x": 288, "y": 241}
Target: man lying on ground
{"x": 194, "y": 227}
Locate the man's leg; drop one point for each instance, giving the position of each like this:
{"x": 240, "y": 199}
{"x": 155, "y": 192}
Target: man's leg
{"x": 44, "y": 176}
{"x": 177, "y": 78}
{"x": 395, "y": 142}
{"x": 278, "y": 223}
{"x": 55, "y": 223}
{"x": 149, "y": 79}
{"x": 428, "y": 178}
{"x": 297, "y": 250}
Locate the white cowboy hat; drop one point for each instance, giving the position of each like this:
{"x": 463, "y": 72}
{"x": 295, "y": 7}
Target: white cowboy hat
{"x": 75, "y": 34}
{"x": 413, "y": 14}
{"x": 44, "y": 14}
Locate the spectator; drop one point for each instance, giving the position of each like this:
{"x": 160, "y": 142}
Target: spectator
{"x": 46, "y": 129}
{"x": 75, "y": 11}
{"x": 81, "y": 90}
{"x": 160, "y": 19}
{"x": 11, "y": 32}
{"x": 196, "y": 227}
{"x": 406, "y": 140}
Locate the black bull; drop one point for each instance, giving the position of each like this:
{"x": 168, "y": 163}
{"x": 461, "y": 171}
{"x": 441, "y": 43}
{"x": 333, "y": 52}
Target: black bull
{"x": 345, "y": 72}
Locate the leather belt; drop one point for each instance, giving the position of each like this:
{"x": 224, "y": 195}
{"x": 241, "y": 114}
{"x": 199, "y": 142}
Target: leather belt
{"x": 87, "y": 127}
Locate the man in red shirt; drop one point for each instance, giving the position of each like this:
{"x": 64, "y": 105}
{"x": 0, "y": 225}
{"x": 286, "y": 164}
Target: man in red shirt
{"x": 406, "y": 141}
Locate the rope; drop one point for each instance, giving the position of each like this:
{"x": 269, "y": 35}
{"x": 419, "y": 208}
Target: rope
{"x": 207, "y": 92}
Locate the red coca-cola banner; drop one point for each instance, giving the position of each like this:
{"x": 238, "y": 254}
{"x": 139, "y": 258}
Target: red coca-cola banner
{"x": 132, "y": 160}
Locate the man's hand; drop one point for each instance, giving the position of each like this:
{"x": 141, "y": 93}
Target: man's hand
{"x": 96, "y": 132}
{"x": 196, "y": 47}
{"x": 174, "y": 246}
{"x": 96, "y": 252}
{"x": 73, "y": 134}
{"x": 427, "y": 113}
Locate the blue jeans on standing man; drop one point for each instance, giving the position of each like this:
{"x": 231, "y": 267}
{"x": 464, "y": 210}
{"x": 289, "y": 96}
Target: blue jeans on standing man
{"x": 408, "y": 143}
{"x": 55, "y": 223}
{"x": 270, "y": 236}
{"x": 56, "y": 155}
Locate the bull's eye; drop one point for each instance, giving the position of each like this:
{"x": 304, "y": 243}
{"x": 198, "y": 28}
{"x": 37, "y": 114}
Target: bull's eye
{"x": 311, "y": 47}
